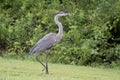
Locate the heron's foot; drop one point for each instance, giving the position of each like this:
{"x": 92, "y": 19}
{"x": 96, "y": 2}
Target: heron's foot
{"x": 43, "y": 69}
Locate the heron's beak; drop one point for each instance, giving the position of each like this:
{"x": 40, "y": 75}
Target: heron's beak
{"x": 67, "y": 13}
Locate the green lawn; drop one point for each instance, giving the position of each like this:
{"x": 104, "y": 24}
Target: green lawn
{"x": 29, "y": 70}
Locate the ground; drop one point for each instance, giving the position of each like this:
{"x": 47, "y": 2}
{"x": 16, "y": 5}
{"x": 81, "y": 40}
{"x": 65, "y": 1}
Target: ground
{"x": 11, "y": 69}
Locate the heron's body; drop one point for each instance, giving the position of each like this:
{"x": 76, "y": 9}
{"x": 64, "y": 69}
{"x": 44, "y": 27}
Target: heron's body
{"x": 44, "y": 44}
{"x": 49, "y": 40}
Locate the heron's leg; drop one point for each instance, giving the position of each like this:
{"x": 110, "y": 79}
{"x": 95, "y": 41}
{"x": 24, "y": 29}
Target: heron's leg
{"x": 37, "y": 58}
{"x": 47, "y": 52}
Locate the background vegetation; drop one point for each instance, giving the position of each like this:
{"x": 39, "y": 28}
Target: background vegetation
{"x": 91, "y": 33}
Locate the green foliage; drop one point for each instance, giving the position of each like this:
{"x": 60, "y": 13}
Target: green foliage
{"x": 91, "y": 32}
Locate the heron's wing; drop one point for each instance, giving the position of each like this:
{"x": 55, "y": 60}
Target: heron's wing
{"x": 43, "y": 44}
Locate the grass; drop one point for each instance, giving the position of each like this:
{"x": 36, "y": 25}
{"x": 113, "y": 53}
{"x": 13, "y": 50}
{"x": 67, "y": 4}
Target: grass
{"x": 29, "y": 70}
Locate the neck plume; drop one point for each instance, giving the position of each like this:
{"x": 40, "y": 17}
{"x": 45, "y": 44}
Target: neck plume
{"x": 59, "y": 34}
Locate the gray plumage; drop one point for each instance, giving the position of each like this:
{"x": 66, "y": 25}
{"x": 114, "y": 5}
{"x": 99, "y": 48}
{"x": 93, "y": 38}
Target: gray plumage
{"x": 44, "y": 44}
{"x": 49, "y": 40}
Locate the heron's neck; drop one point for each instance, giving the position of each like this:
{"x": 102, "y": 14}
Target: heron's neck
{"x": 59, "y": 34}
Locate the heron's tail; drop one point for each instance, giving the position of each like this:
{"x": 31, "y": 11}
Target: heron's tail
{"x": 31, "y": 52}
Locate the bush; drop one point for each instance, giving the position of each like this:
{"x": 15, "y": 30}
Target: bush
{"x": 91, "y": 31}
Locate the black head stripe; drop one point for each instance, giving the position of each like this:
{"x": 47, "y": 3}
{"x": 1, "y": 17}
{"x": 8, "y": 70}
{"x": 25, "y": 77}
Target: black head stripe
{"x": 62, "y": 12}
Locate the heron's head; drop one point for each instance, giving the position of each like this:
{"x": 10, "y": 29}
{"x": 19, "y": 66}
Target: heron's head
{"x": 62, "y": 13}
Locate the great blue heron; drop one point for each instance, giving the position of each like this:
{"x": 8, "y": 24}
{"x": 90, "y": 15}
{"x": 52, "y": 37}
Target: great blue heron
{"x": 48, "y": 41}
